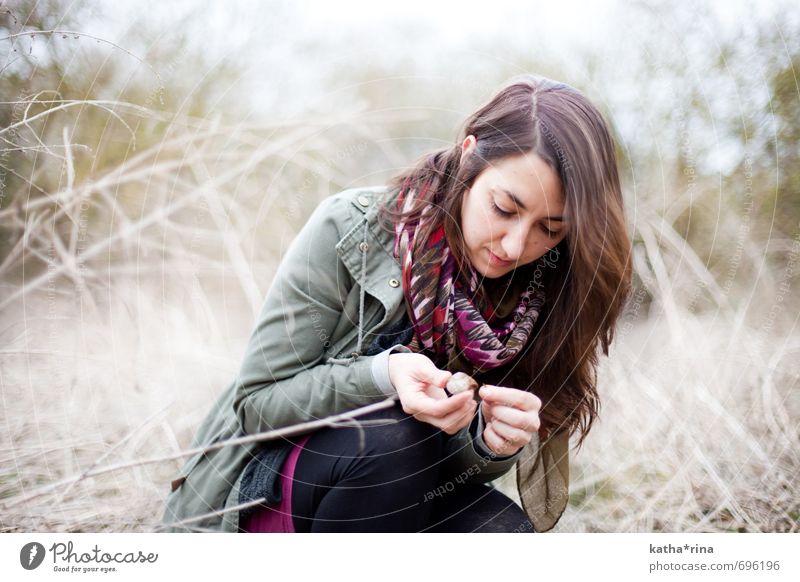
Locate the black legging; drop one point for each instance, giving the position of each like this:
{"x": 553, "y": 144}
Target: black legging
{"x": 393, "y": 485}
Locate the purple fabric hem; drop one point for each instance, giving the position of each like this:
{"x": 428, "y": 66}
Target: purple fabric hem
{"x": 278, "y": 518}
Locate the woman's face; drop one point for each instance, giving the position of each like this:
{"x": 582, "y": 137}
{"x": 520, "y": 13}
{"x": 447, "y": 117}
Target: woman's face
{"x": 512, "y": 214}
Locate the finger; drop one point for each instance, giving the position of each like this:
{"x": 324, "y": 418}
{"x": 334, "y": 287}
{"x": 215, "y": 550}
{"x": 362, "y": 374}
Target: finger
{"x": 496, "y": 443}
{"x": 515, "y": 436}
{"x": 457, "y": 417}
{"x": 416, "y": 402}
{"x": 510, "y": 397}
{"x": 441, "y": 408}
{"x": 454, "y": 422}
{"x": 423, "y": 403}
{"x": 486, "y": 410}
{"x": 442, "y": 378}
{"x": 525, "y": 420}
{"x": 436, "y": 393}
{"x": 430, "y": 374}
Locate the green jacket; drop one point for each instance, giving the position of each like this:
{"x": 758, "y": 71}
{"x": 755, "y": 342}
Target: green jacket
{"x": 305, "y": 361}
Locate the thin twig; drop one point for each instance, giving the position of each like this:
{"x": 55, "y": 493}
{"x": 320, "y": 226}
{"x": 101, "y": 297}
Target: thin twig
{"x": 76, "y": 34}
{"x": 330, "y": 421}
{"x": 125, "y": 439}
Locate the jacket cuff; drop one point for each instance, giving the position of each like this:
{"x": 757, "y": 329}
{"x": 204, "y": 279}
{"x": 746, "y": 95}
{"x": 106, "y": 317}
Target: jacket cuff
{"x": 380, "y": 369}
{"x": 481, "y": 446}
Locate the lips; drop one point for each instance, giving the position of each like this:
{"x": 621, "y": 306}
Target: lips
{"x": 495, "y": 260}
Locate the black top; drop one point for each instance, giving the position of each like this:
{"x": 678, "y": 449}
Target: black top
{"x": 400, "y": 333}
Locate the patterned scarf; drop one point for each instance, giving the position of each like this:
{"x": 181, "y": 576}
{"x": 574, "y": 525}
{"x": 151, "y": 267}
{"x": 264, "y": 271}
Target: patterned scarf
{"x": 449, "y": 318}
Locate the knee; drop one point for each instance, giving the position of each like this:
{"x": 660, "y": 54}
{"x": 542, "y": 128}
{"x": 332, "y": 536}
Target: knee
{"x": 403, "y": 442}
{"x": 403, "y": 433}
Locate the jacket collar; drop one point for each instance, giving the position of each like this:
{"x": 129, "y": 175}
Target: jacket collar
{"x": 381, "y": 275}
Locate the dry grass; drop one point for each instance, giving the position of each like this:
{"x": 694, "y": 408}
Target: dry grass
{"x": 137, "y": 312}
{"x": 698, "y": 433}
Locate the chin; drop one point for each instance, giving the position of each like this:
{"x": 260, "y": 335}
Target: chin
{"x": 491, "y": 272}
{"x": 487, "y": 270}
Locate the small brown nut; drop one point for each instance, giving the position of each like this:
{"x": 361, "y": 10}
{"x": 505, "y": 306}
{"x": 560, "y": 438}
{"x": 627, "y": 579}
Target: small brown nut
{"x": 461, "y": 382}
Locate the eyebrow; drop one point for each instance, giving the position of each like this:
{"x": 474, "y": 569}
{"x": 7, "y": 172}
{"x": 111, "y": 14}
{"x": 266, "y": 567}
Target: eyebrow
{"x": 519, "y": 203}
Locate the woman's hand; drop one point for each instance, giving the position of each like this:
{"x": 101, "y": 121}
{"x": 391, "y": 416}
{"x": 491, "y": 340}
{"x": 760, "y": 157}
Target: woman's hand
{"x": 420, "y": 386}
{"x": 510, "y": 416}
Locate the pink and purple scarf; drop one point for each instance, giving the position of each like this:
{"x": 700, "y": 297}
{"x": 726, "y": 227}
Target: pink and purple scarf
{"x": 443, "y": 312}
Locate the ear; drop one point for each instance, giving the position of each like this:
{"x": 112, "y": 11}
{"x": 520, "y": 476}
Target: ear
{"x": 469, "y": 143}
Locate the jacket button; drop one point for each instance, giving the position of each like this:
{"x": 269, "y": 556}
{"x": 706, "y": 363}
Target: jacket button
{"x": 394, "y": 282}
{"x": 363, "y": 200}
{"x": 363, "y": 247}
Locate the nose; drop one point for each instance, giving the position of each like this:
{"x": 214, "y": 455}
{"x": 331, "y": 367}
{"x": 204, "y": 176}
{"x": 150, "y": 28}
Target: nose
{"x": 514, "y": 240}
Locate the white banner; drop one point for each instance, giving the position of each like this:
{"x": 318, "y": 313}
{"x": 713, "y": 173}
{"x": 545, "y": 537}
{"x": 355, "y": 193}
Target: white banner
{"x": 410, "y": 557}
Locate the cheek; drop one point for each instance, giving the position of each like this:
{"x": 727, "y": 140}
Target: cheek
{"x": 537, "y": 246}
{"x": 470, "y": 236}
{"x": 544, "y": 245}
{"x": 473, "y": 224}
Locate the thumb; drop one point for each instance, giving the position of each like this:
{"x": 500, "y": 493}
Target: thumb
{"x": 435, "y": 376}
{"x": 441, "y": 378}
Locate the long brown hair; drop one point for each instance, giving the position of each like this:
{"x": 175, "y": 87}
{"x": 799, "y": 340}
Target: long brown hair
{"x": 590, "y": 284}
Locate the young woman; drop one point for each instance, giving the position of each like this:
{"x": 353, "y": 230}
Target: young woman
{"x": 505, "y": 256}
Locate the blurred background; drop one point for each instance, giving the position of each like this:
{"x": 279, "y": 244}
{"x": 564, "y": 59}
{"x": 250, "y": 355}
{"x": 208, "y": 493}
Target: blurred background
{"x": 157, "y": 158}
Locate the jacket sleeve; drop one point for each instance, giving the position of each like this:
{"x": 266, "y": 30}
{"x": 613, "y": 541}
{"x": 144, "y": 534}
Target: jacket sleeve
{"x": 467, "y": 458}
{"x": 284, "y": 379}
